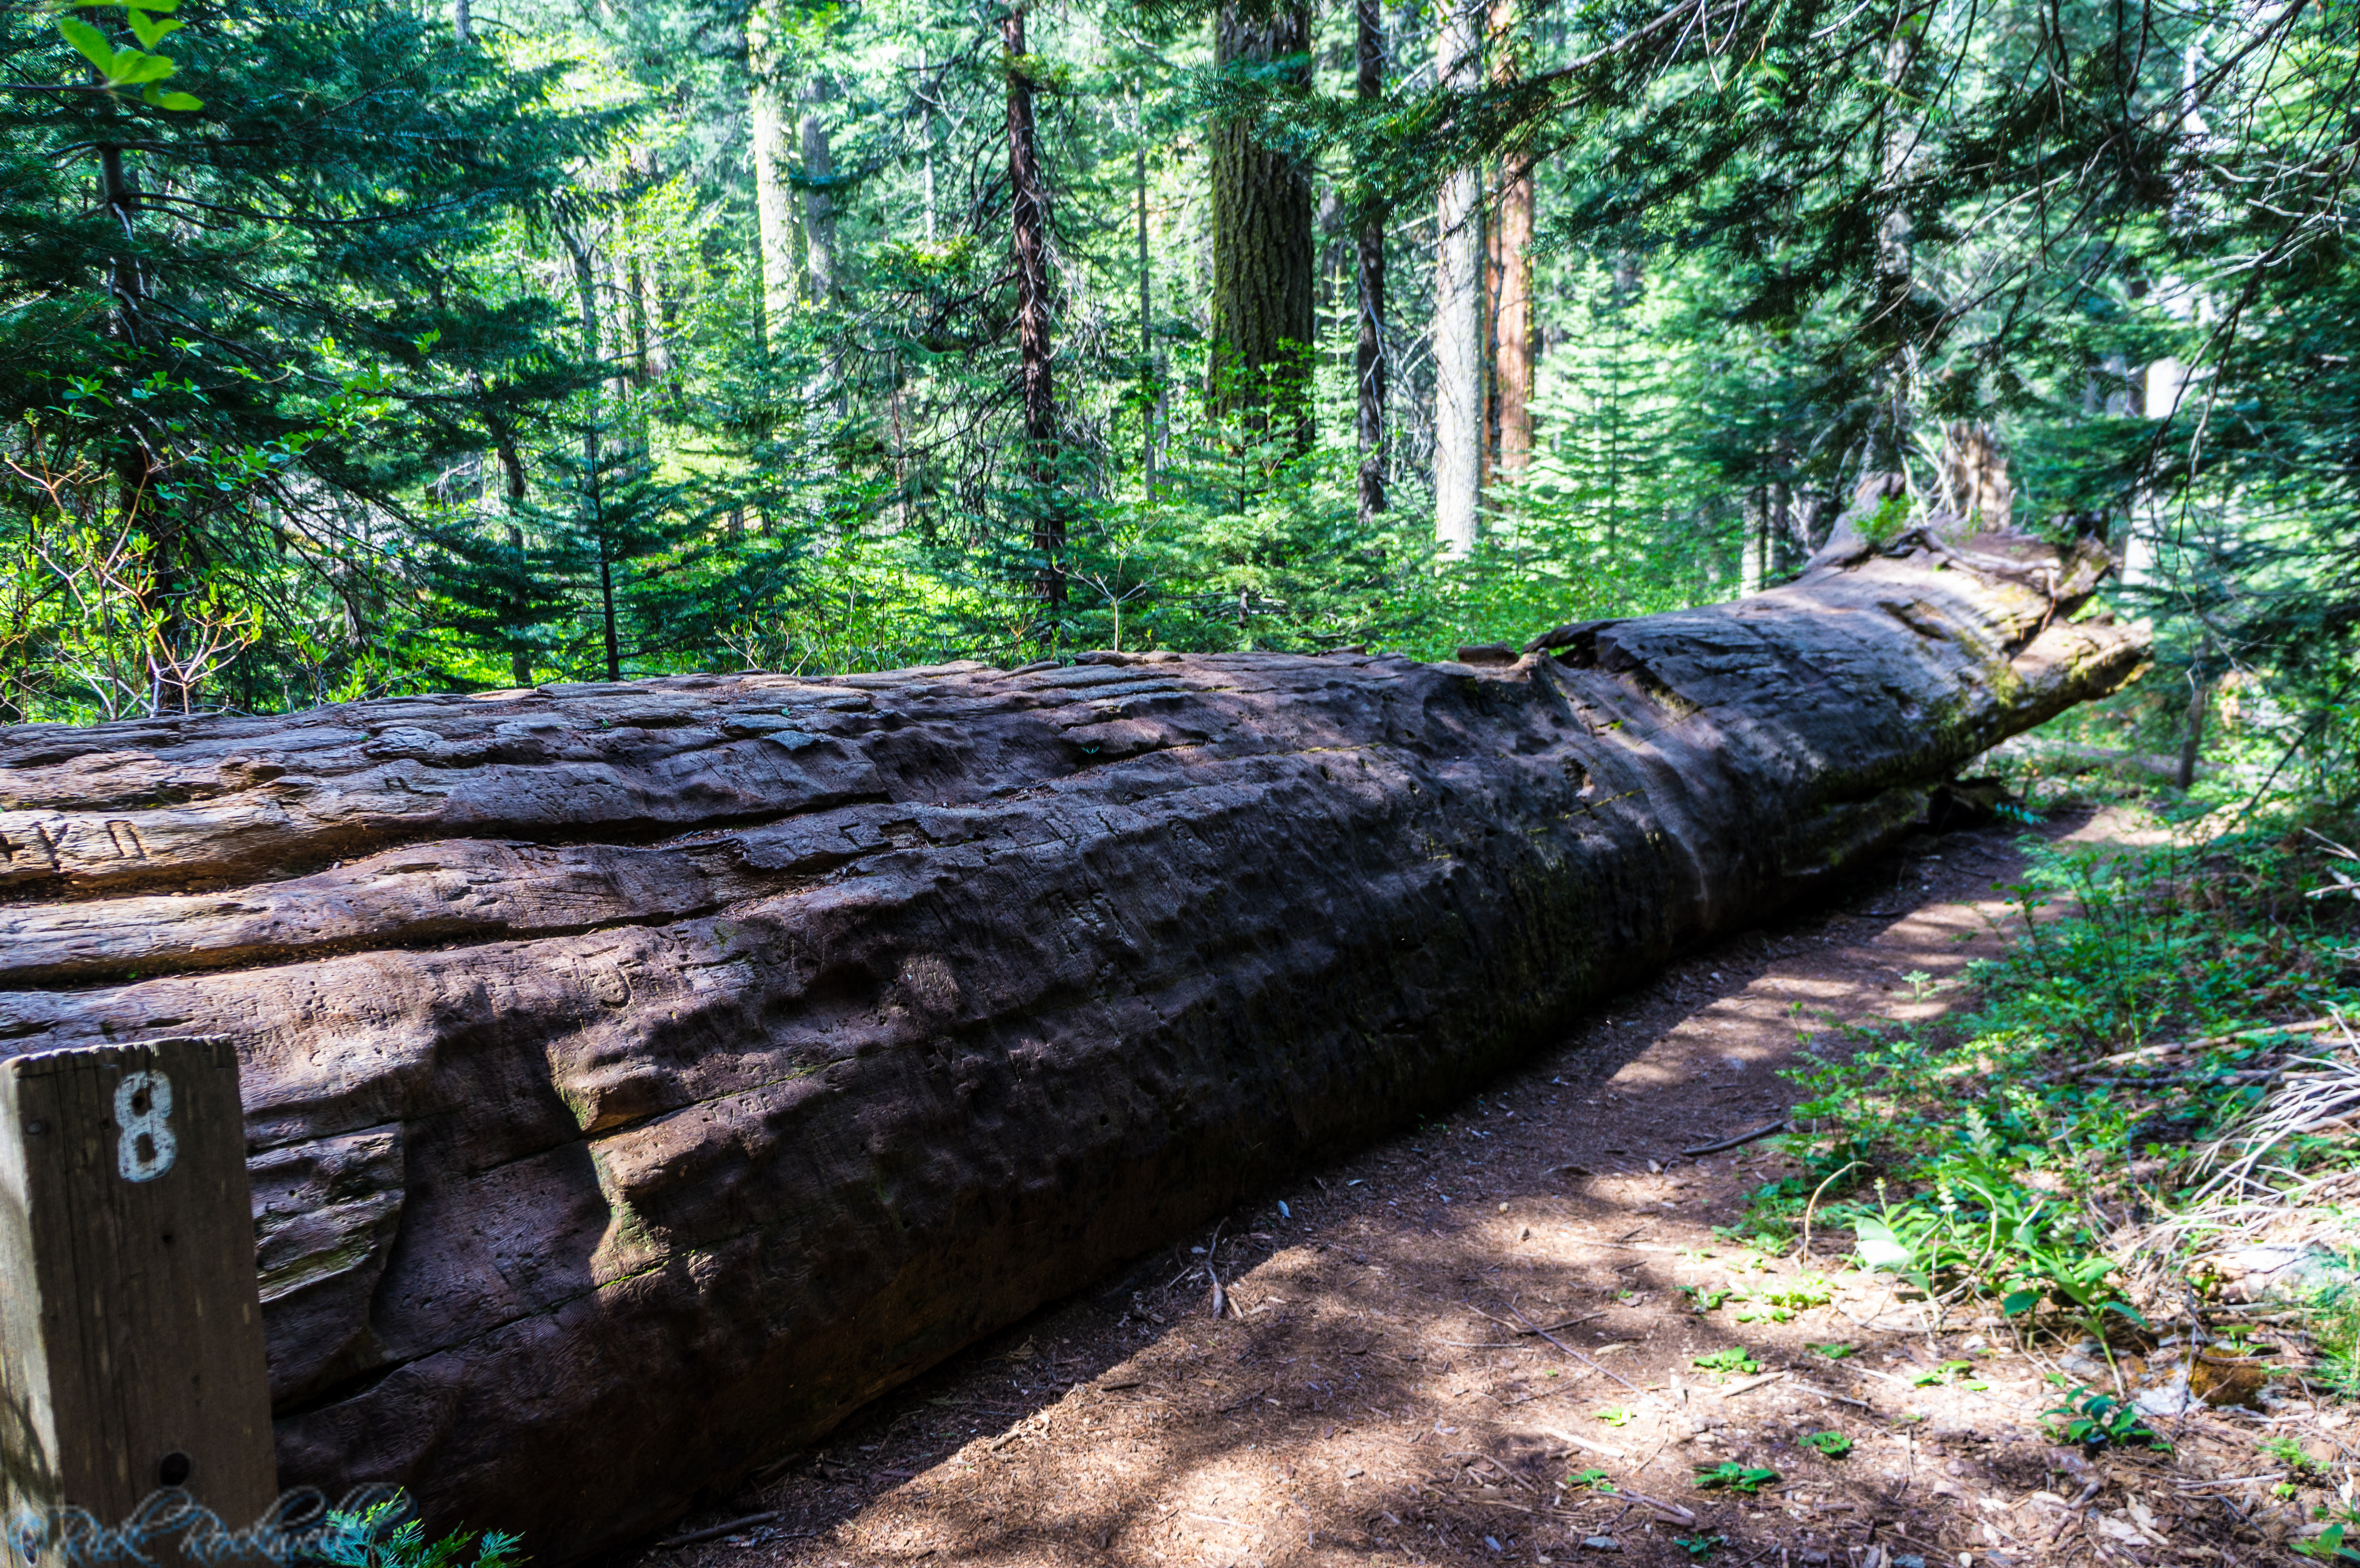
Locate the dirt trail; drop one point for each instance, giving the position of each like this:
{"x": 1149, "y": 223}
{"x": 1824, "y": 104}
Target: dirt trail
{"x": 1373, "y": 1396}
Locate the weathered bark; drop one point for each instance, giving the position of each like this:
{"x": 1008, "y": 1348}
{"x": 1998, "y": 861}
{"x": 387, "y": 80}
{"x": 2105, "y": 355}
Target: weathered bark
{"x": 1265, "y": 253}
{"x": 641, "y": 1076}
{"x": 1029, "y": 231}
{"x": 1369, "y": 277}
{"x": 1458, "y": 305}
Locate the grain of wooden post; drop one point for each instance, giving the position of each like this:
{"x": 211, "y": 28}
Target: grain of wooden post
{"x": 131, "y": 1353}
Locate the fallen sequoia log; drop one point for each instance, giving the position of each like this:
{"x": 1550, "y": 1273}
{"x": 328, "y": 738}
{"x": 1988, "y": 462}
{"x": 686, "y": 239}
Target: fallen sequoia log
{"x": 641, "y": 1076}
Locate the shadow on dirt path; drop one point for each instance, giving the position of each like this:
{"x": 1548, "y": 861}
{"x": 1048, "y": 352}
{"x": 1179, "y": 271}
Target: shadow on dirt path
{"x": 1373, "y": 1391}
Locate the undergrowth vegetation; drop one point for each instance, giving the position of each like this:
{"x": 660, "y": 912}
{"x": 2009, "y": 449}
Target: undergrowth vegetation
{"x": 2153, "y": 1081}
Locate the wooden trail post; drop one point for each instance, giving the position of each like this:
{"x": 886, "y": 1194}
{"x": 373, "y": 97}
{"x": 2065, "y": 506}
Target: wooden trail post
{"x": 131, "y": 1353}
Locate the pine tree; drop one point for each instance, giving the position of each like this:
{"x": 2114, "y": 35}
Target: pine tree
{"x": 300, "y": 235}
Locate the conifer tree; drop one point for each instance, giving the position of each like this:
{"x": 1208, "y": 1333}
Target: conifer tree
{"x": 297, "y": 237}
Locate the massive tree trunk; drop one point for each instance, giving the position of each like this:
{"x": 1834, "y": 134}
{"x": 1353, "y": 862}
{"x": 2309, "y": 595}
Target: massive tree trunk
{"x": 1028, "y": 230}
{"x": 640, "y": 1077}
{"x": 1458, "y": 305}
{"x": 1369, "y": 276}
{"x": 1265, "y": 254}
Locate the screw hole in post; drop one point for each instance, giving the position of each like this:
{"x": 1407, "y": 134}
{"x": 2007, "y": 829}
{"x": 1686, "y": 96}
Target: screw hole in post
{"x": 175, "y": 1469}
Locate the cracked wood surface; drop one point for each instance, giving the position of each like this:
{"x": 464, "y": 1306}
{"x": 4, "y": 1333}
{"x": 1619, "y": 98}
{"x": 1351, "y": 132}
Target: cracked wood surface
{"x": 640, "y": 1077}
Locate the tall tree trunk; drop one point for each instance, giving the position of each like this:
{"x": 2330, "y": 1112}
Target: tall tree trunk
{"x": 926, "y": 135}
{"x": 1266, "y": 256}
{"x": 592, "y": 499}
{"x": 1890, "y": 327}
{"x": 1146, "y": 322}
{"x": 819, "y": 198}
{"x": 774, "y": 215}
{"x": 1974, "y": 474}
{"x": 1029, "y": 226}
{"x": 137, "y": 475}
{"x": 607, "y": 607}
{"x": 511, "y": 463}
{"x": 2200, "y": 694}
{"x": 1512, "y": 276}
{"x": 1754, "y": 567}
{"x": 1512, "y": 316}
{"x": 1459, "y": 305}
{"x": 1368, "y": 275}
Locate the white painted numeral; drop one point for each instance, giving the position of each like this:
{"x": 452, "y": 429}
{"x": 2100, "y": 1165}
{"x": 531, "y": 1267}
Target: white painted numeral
{"x": 142, "y": 1101}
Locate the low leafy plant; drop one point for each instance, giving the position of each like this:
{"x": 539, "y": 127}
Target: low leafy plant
{"x": 1728, "y": 1474}
{"x": 1705, "y": 1298}
{"x": 2290, "y": 1453}
{"x": 386, "y": 1537}
{"x": 2328, "y": 1546}
{"x": 1732, "y": 1359}
{"x": 2099, "y": 1421}
{"x": 1834, "y": 1350}
{"x": 1941, "y": 1377}
{"x": 1829, "y": 1444}
{"x": 1590, "y": 1480}
{"x": 2335, "y": 1329}
{"x": 1615, "y": 1415}
{"x": 1699, "y": 1546}
{"x": 1781, "y": 1305}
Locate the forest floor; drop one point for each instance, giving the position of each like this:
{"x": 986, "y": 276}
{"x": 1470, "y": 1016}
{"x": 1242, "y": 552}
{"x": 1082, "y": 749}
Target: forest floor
{"x": 1377, "y": 1389}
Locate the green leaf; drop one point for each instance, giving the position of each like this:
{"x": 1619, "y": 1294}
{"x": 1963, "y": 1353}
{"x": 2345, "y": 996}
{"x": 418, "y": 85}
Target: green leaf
{"x": 164, "y": 6}
{"x": 90, "y": 42}
{"x": 131, "y": 67}
{"x": 182, "y": 102}
{"x": 1879, "y": 1248}
{"x": 150, "y": 32}
{"x": 1746, "y": 1478}
{"x": 2016, "y": 1301}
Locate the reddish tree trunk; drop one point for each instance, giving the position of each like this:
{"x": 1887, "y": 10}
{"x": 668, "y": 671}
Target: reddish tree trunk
{"x": 1512, "y": 277}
